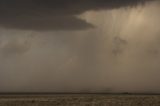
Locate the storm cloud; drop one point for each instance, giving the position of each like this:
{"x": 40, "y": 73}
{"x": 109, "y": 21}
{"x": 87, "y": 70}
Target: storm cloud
{"x": 54, "y": 14}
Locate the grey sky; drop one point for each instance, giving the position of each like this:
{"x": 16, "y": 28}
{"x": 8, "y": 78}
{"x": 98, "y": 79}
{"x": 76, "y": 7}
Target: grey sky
{"x": 111, "y": 48}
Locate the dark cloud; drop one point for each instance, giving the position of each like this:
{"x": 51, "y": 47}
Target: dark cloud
{"x": 53, "y": 14}
{"x": 46, "y": 23}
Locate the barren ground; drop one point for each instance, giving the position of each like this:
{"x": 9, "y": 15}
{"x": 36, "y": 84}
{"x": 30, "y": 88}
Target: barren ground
{"x": 80, "y": 100}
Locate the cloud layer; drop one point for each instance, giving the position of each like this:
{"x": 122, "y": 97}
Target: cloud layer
{"x": 54, "y": 15}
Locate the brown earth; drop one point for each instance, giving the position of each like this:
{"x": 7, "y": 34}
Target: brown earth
{"x": 80, "y": 100}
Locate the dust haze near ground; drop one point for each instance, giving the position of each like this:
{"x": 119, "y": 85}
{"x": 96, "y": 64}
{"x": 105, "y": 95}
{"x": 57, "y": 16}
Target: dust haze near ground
{"x": 119, "y": 52}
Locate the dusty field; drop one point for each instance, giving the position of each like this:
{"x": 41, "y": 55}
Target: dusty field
{"x": 80, "y": 100}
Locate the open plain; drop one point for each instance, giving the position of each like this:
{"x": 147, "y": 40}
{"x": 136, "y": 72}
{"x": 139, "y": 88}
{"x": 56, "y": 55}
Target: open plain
{"x": 80, "y": 100}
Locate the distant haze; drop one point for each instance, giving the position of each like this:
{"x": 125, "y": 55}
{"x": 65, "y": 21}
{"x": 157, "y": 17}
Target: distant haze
{"x": 80, "y": 46}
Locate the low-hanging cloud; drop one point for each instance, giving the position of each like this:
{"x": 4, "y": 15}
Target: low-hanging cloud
{"x": 54, "y": 14}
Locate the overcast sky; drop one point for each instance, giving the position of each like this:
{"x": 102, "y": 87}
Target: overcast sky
{"x": 80, "y": 45}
